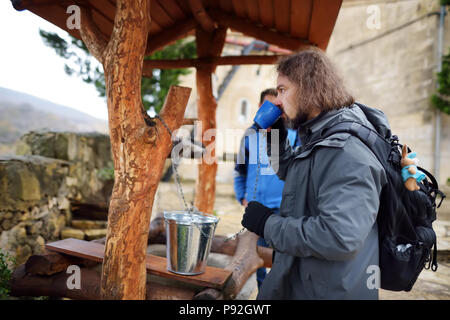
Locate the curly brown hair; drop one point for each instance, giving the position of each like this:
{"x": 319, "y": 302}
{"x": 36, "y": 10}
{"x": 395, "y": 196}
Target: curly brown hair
{"x": 319, "y": 85}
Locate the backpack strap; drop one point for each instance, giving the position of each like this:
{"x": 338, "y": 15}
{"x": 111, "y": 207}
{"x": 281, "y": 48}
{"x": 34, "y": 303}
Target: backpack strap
{"x": 372, "y": 139}
{"x": 367, "y": 135}
{"x": 435, "y": 186}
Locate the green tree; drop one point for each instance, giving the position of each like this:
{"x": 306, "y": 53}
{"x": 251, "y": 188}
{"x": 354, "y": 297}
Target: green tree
{"x": 153, "y": 90}
{"x": 441, "y": 99}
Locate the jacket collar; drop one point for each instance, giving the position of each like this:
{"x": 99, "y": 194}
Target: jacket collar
{"x": 313, "y": 127}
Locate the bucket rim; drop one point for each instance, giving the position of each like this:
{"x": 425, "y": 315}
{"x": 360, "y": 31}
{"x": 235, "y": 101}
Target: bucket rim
{"x": 184, "y": 217}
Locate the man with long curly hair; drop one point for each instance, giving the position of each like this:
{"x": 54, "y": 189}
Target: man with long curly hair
{"x": 325, "y": 239}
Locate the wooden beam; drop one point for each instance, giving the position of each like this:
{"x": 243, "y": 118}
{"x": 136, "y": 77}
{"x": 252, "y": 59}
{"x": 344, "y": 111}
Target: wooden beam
{"x": 201, "y": 15}
{"x": 54, "y": 13}
{"x": 26, "y": 284}
{"x": 259, "y": 32}
{"x": 21, "y": 5}
{"x": 217, "y": 42}
{"x": 159, "y": 15}
{"x": 323, "y": 19}
{"x": 250, "y": 59}
{"x": 266, "y": 12}
{"x": 252, "y": 10}
{"x": 208, "y": 45}
{"x": 106, "y": 8}
{"x": 300, "y": 18}
{"x": 240, "y": 8}
{"x": 173, "y": 9}
{"x": 91, "y": 35}
{"x": 282, "y": 13}
{"x": 267, "y": 47}
{"x": 177, "y": 31}
{"x": 50, "y": 263}
{"x": 205, "y": 62}
{"x": 226, "y": 5}
{"x": 55, "y": 285}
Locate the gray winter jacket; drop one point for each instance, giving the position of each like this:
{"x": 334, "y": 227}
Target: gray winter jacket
{"x": 326, "y": 236}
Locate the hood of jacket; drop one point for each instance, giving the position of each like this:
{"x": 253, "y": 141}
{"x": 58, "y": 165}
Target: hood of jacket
{"x": 371, "y": 117}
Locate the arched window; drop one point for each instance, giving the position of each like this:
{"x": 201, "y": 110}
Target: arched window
{"x": 243, "y": 114}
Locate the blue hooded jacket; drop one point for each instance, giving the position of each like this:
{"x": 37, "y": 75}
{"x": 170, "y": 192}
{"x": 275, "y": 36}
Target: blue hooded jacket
{"x": 269, "y": 187}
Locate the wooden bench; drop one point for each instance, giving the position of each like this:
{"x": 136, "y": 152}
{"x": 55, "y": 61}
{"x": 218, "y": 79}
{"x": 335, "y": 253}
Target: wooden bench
{"x": 211, "y": 278}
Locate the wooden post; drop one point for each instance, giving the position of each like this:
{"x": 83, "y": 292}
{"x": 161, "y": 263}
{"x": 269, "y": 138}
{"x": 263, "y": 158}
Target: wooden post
{"x": 205, "y": 188}
{"x": 208, "y": 45}
{"x": 139, "y": 146}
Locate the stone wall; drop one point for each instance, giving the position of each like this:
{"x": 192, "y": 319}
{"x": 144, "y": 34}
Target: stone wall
{"x": 90, "y": 157}
{"x": 52, "y": 171}
{"x": 34, "y": 203}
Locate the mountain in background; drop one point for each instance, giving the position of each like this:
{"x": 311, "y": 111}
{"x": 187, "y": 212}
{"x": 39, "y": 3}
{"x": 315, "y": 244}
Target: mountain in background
{"x": 21, "y": 113}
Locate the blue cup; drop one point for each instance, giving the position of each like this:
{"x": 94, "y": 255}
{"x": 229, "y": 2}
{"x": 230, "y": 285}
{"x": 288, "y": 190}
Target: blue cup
{"x": 267, "y": 114}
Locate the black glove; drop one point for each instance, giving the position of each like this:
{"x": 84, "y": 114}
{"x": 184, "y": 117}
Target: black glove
{"x": 283, "y": 133}
{"x": 255, "y": 217}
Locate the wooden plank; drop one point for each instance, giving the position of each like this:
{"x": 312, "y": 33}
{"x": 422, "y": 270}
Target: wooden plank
{"x": 252, "y": 10}
{"x": 154, "y": 28}
{"x": 105, "y": 8}
{"x": 211, "y": 4}
{"x": 301, "y": 11}
{"x": 201, "y": 16}
{"x": 172, "y": 9}
{"x": 259, "y": 32}
{"x": 104, "y": 25}
{"x": 185, "y": 7}
{"x": 266, "y": 12}
{"x": 282, "y": 15}
{"x": 160, "y": 16}
{"x": 240, "y": 9}
{"x": 208, "y": 61}
{"x": 166, "y": 36}
{"x": 323, "y": 19}
{"x": 226, "y": 5}
{"x": 212, "y": 277}
{"x": 56, "y": 15}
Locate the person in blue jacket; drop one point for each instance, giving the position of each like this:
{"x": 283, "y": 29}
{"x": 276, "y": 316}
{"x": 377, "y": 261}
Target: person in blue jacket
{"x": 269, "y": 187}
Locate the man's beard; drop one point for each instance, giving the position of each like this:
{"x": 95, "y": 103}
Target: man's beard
{"x": 300, "y": 118}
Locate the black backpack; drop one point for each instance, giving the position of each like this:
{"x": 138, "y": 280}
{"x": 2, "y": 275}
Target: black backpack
{"x": 407, "y": 241}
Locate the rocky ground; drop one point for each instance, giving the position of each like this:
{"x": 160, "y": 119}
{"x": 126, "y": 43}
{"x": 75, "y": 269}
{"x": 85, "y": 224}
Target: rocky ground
{"x": 429, "y": 286}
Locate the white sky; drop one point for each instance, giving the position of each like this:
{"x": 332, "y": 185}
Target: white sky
{"x": 29, "y": 66}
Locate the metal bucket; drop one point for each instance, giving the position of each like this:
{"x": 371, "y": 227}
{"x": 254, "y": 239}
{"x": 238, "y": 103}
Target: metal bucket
{"x": 188, "y": 241}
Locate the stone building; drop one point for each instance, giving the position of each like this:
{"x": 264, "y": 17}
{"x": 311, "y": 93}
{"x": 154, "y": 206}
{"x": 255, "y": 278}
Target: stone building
{"x": 386, "y": 51}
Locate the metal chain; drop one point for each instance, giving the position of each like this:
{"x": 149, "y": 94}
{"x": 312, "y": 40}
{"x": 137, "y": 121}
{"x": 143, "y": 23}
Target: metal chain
{"x": 180, "y": 189}
{"x": 175, "y": 167}
{"x": 191, "y": 209}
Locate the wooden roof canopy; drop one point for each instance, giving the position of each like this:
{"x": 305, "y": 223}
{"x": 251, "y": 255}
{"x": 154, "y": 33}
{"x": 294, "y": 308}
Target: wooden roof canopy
{"x": 289, "y": 24}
